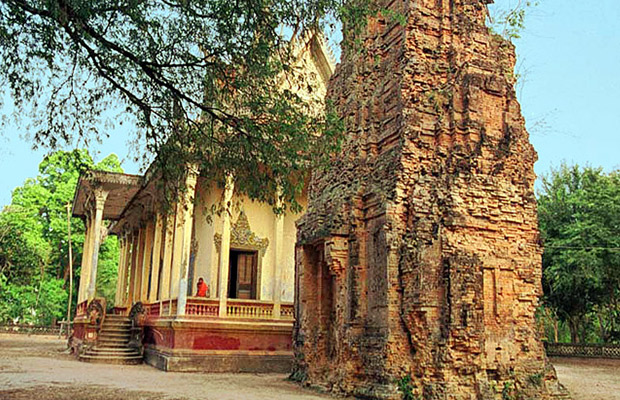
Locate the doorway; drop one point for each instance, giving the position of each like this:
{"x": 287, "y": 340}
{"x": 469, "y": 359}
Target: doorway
{"x": 242, "y": 276}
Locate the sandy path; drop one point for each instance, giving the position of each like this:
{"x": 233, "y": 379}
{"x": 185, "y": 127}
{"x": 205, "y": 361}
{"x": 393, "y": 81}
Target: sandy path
{"x": 589, "y": 379}
{"x": 47, "y": 373}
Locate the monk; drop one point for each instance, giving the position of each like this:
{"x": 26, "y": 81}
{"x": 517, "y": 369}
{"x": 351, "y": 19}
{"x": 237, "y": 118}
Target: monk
{"x": 202, "y": 288}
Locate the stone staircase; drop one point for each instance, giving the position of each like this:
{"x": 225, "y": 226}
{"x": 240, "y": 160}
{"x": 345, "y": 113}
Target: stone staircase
{"x": 113, "y": 343}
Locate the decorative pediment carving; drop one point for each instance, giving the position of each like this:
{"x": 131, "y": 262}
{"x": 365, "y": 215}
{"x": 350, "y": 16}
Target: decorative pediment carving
{"x": 241, "y": 235}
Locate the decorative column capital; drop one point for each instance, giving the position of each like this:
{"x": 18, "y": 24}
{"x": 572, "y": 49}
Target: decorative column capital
{"x": 101, "y": 196}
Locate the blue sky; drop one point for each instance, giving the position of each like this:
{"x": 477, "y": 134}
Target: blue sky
{"x": 569, "y": 62}
{"x": 569, "y": 59}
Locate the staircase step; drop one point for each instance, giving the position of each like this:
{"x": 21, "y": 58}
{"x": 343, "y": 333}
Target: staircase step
{"x": 115, "y": 331}
{"x": 112, "y": 343}
{"x": 117, "y": 321}
{"x": 112, "y": 353}
{"x": 107, "y": 348}
{"x": 112, "y": 360}
{"x": 117, "y": 324}
{"x": 113, "y": 339}
{"x": 124, "y": 325}
{"x": 114, "y": 335}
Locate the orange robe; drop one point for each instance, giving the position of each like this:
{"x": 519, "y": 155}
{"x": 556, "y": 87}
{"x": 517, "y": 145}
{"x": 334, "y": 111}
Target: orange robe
{"x": 202, "y": 290}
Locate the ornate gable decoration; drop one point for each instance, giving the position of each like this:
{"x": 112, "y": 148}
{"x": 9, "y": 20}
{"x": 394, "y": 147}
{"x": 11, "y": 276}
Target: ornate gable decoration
{"x": 241, "y": 235}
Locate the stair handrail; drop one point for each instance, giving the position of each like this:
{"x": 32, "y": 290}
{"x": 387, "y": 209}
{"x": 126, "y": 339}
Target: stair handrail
{"x": 137, "y": 314}
{"x": 96, "y": 314}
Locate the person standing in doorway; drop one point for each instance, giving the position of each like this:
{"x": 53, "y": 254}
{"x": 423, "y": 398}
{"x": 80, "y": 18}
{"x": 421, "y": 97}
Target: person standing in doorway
{"x": 202, "y": 288}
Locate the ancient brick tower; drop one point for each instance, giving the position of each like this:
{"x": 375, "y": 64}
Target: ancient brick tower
{"x": 419, "y": 256}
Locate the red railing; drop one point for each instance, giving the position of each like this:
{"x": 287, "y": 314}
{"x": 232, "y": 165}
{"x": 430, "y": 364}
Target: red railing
{"x": 201, "y": 307}
{"x": 154, "y": 310}
{"x": 287, "y": 311}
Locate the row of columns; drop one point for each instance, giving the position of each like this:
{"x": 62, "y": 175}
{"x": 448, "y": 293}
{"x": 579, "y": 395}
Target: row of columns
{"x": 159, "y": 242}
{"x": 166, "y": 241}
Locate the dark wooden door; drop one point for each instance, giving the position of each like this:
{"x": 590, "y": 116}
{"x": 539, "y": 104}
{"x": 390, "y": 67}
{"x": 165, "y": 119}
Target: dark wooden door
{"x": 246, "y": 275}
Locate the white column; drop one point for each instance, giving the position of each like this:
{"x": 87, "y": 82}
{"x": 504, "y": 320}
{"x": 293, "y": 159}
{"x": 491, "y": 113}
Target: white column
{"x": 139, "y": 264}
{"x": 277, "y": 266}
{"x": 187, "y": 220}
{"x": 100, "y": 198}
{"x": 135, "y": 244}
{"x": 126, "y": 264}
{"x": 155, "y": 257}
{"x": 177, "y": 249}
{"x": 146, "y": 259}
{"x": 225, "y": 245}
{"x": 168, "y": 246}
{"x": 119, "y": 271}
{"x": 85, "y": 268}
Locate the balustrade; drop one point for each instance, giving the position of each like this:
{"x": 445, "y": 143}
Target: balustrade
{"x": 287, "y": 311}
{"x": 198, "y": 307}
{"x": 249, "y": 309}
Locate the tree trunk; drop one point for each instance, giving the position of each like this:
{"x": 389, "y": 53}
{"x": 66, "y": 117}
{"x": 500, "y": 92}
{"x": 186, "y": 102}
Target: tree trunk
{"x": 601, "y": 326}
{"x": 573, "y": 326}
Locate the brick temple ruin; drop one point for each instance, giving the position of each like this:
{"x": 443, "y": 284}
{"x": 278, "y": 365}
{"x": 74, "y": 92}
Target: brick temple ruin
{"x": 418, "y": 262}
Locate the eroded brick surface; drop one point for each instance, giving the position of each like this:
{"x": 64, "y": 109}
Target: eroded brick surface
{"x": 419, "y": 253}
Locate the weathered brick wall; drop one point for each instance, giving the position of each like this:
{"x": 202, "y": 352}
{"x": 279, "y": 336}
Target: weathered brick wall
{"x": 419, "y": 253}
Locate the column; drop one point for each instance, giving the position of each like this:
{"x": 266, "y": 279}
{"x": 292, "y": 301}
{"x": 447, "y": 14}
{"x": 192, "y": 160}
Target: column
{"x": 126, "y": 264}
{"x": 155, "y": 257}
{"x": 277, "y": 266}
{"x": 225, "y": 246}
{"x": 119, "y": 271}
{"x": 131, "y": 295}
{"x": 100, "y": 198}
{"x": 168, "y": 242}
{"x": 146, "y": 259}
{"x": 177, "y": 249}
{"x": 187, "y": 220}
{"x": 137, "y": 289}
{"x": 85, "y": 268}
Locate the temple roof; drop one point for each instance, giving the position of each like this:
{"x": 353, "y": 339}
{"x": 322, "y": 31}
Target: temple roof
{"x": 121, "y": 188}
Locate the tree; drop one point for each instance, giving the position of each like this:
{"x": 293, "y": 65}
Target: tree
{"x": 203, "y": 80}
{"x": 508, "y": 18}
{"x": 33, "y": 241}
{"x": 579, "y": 217}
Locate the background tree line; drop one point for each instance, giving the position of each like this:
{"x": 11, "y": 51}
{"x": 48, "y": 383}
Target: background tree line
{"x": 579, "y": 218}
{"x": 34, "y": 264}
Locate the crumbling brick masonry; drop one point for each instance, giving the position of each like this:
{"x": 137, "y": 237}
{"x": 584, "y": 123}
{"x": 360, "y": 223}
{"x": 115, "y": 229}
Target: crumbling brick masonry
{"x": 418, "y": 261}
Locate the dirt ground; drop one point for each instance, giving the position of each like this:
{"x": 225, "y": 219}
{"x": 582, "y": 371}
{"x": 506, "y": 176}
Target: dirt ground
{"x": 589, "y": 379}
{"x": 35, "y": 367}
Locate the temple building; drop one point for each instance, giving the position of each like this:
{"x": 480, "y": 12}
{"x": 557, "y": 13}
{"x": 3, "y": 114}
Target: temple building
{"x": 245, "y": 254}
